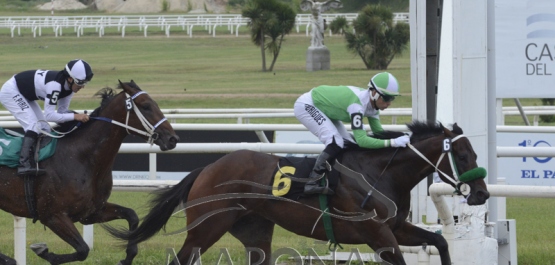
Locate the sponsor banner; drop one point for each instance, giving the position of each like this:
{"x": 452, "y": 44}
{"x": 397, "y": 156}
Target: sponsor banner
{"x": 537, "y": 171}
{"x": 525, "y": 48}
{"x": 145, "y": 175}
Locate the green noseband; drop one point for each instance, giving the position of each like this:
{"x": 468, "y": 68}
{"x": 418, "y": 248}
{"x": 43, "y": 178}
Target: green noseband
{"x": 475, "y": 173}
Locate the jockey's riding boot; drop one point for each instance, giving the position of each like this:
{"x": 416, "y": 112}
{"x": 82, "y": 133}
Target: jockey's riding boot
{"x": 313, "y": 186}
{"x": 27, "y": 165}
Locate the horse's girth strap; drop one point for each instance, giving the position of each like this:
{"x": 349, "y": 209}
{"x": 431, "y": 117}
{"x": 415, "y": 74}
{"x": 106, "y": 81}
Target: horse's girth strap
{"x": 327, "y": 219}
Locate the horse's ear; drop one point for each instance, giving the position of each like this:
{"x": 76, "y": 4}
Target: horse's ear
{"x": 120, "y": 83}
{"x": 457, "y": 129}
{"x": 447, "y": 132}
{"x": 133, "y": 82}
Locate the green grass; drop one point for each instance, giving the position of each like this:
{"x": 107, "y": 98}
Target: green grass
{"x": 221, "y": 72}
{"x": 534, "y": 221}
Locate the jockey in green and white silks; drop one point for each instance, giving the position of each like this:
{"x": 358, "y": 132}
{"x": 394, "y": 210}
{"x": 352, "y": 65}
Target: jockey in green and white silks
{"x": 324, "y": 109}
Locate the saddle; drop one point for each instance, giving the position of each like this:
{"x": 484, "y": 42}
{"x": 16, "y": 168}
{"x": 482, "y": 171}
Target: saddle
{"x": 297, "y": 168}
{"x": 10, "y": 146}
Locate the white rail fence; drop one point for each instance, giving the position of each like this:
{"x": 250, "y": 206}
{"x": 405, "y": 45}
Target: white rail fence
{"x": 244, "y": 115}
{"x": 165, "y": 23}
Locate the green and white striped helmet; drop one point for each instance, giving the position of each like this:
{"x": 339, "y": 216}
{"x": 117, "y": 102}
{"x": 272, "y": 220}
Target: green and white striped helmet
{"x": 385, "y": 83}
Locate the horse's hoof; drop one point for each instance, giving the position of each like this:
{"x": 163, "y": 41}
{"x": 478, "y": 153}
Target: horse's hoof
{"x": 39, "y": 248}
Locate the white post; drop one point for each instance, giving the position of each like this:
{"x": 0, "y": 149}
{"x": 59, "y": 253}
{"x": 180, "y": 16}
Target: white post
{"x": 88, "y": 235}
{"x": 52, "y": 8}
{"x": 418, "y": 81}
{"x": 152, "y": 167}
{"x": 423, "y": 257}
{"x": 492, "y": 110}
{"x": 20, "y": 224}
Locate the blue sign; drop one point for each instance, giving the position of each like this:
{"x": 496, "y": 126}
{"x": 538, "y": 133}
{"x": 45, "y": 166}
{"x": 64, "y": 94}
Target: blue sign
{"x": 536, "y": 171}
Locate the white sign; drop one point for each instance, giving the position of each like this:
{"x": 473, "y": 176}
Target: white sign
{"x": 537, "y": 171}
{"x": 525, "y": 48}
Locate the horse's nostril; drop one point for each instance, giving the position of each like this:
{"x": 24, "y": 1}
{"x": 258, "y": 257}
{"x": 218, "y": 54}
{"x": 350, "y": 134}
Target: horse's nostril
{"x": 483, "y": 195}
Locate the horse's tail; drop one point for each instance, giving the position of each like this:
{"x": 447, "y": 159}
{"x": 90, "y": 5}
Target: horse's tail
{"x": 162, "y": 208}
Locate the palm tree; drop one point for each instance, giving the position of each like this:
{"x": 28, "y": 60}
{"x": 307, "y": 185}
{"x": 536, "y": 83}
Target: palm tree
{"x": 269, "y": 19}
{"x": 376, "y": 40}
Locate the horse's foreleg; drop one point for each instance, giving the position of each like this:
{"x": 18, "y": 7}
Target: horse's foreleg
{"x": 62, "y": 226}
{"x": 112, "y": 212}
{"x": 383, "y": 242}
{"x": 411, "y": 235}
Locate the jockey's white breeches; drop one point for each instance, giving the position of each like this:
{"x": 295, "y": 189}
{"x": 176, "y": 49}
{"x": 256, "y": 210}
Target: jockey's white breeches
{"x": 318, "y": 123}
{"x": 26, "y": 112}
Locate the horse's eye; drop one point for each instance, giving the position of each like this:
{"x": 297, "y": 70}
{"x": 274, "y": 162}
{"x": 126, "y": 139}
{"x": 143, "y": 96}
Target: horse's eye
{"x": 146, "y": 107}
{"x": 462, "y": 157}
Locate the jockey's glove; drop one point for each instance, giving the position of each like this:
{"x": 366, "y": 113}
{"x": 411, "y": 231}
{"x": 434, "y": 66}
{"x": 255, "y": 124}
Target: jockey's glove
{"x": 401, "y": 141}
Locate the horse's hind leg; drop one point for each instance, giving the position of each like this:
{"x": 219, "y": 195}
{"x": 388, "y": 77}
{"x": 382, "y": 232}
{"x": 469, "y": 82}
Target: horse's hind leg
{"x": 5, "y": 260}
{"x": 204, "y": 235}
{"x": 410, "y": 235}
{"x": 112, "y": 212}
{"x": 255, "y": 232}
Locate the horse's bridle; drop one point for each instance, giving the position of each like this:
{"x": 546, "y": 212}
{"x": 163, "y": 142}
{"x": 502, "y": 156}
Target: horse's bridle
{"x": 460, "y": 187}
{"x": 129, "y": 104}
{"x": 149, "y": 129}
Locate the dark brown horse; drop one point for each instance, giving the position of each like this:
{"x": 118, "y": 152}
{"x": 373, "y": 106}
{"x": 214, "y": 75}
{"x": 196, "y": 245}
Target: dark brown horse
{"x": 232, "y": 195}
{"x": 78, "y": 179}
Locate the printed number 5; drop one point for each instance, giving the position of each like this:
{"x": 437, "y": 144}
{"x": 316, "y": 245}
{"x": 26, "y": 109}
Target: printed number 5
{"x": 128, "y": 104}
{"x": 54, "y": 98}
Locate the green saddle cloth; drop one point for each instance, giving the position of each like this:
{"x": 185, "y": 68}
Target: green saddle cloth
{"x": 11, "y": 145}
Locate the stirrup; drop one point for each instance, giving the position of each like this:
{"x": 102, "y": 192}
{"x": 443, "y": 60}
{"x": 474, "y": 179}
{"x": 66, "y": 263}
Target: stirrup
{"x": 313, "y": 187}
{"x": 318, "y": 190}
{"x": 30, "y": 171}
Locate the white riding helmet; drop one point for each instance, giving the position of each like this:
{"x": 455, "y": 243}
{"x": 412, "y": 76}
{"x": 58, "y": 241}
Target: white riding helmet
{"x": 385, "y": 83}
{"x": 80, "y": 71}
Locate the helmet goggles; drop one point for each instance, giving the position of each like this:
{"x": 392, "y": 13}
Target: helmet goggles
{"x": 385, "y": 97}
{"x": 80, "y": 82}
{"x": 77, "y": 81}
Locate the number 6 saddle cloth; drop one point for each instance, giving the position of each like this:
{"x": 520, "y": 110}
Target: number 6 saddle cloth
{"x": 299, "y": 168}
{"x": 10, "y": 146}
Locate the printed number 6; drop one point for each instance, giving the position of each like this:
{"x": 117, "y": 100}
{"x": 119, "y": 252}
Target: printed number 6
{"x": 282, "y": 184}
{"x": 447, "y": 145}
{"x": 356, "y": 121}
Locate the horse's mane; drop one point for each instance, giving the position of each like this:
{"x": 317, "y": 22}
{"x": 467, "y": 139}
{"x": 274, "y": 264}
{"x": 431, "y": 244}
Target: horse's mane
{"x": 424, "y": 129}
{"x": 106, "y": 94}
{"x": 420, "y": 130}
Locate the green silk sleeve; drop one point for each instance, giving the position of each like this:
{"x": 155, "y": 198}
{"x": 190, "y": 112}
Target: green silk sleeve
{"x": 363, "y": 140}
{"x": 375, "y": 124}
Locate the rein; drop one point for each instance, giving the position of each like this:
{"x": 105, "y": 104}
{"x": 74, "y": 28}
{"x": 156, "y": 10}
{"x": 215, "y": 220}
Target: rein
{"x": 460, "y": 186}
